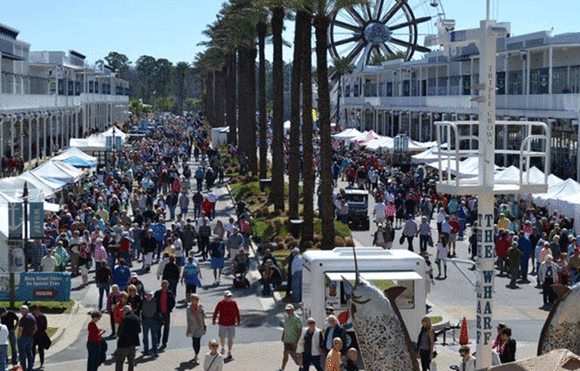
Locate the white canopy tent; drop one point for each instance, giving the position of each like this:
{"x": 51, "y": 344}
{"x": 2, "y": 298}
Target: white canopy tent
{"x": 568, "y": 187}
{"x": 347, "y": 135}
{"x": 468, "y": 168}
{"x": 47, "y": 187}
{"x": 91, "y": 144}
{"x": 377, "y": 144}
{"x": 14, "y": 186}
{"x": 59, "y": 171}
{"x": 74, "y": 152}
{"x": 117, "y": 133}
{"x": 426, "y": 157}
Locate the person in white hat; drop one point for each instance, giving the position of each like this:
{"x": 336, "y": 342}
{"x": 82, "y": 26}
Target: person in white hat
{"x": 229, "y": 317}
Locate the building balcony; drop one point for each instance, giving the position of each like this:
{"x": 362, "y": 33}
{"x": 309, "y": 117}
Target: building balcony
{"x": 563, "y": 103}
{"x": 11, "y": 102}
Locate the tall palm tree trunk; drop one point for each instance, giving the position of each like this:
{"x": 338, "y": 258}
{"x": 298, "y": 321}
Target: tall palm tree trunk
{"x": 321, "y": 24}
{"x": 308, "y": 176}
{"x": 209, "y": 106}
{"x": 262, "y": 29}
{"x": 230, "y": 97}
{"x": 294, "y": 158}
{"x": 247, "y": 76}
{"x": 277, "y": 192}
{"x": 219, "y": 98}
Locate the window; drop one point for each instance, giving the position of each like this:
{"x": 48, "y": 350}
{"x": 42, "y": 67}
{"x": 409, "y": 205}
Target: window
{"x": 575, "y": 79}
{"x": 560, "y": 81}
{"x": 539, "y": 81}
{"x": 515, "y": 83}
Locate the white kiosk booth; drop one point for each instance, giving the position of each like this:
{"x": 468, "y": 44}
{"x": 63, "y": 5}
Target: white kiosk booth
{"x": 322, "y": 284}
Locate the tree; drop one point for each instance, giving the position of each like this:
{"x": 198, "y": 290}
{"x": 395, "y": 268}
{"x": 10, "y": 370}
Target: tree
{"x": 163, "y": 68}
{"x": 324, "y": 9}
{"x": 119, "y": 62}
{"x": 302, "y": 21}
{"x": 181, "y": 71}
{"x": 342, "y": 66}
{"x": 308, "y": 178}
{"x": 146, "y": 70}
{"x": 136, "y": 108}
{"x": 262, "y": 30}
{"x": 277, "y": 191}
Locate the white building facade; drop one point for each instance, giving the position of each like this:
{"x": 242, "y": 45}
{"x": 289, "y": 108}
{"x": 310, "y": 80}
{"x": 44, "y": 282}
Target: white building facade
{"x": 48, "y": 97}
{"x": 538, "y": 79}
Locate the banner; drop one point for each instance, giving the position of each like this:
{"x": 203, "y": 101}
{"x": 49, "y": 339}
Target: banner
{"x": 36, "y": 219}
{"x": 38, "y": 286}
{"x": 15, "y": 220}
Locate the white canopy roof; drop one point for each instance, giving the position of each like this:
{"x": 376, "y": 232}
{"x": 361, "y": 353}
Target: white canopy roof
{"x": 74, "y": 152}
{"x": 12, "y": 189}
{"x": 47, "y": 187}
{"x": 118, "y": 133}
{"x": 347, "y": 134}
{"x": 568, "y": 187}
{"x": 382, "y": 142}
{"x": 468, "y": 168}
{"x": 90, "y": 144}
{"x": 59, "y": 171}
{"x": 426, "y": 157}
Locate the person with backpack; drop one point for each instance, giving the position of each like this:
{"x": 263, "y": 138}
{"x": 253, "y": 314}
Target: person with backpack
{"x": 199, "y": 176}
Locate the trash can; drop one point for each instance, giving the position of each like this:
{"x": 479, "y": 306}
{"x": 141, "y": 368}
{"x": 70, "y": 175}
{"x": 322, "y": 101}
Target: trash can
{"x": 265, "y": 183}
{"x": 296, "y": 227}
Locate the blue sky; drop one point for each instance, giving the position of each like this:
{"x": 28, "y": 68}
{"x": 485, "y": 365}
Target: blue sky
{"x": 172, "y": 28}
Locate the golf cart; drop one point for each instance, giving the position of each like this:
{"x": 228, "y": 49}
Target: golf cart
{"x": 358, "y": 208}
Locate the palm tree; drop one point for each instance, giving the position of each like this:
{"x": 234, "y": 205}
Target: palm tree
{"x": 342, "y": 66}
{"x": 277, "y": 191}
{"x": 323, "y": 10}
{"x": 262, "y": 30}
{"x": 181, "y": 71}
{"x": 308, "y": 176}
{"x": 302, "y": 20}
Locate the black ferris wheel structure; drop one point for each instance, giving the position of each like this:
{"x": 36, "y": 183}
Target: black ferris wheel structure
{"x": 383, "y": 28}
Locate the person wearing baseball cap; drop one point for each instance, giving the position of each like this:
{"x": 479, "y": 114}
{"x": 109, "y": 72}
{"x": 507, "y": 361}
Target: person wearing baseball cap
{"x": 229, "y": 316}
{"x": 291, "y": 336}
{"x": 148, "y": 315}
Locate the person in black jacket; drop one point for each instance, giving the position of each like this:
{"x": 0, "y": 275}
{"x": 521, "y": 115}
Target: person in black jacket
{"x": 332, "y": 331}
{"x": 165, "y": 303}
{"x": 171, "y": 273}
{"x": 127, "y": 339}
{"x": 508, "y": 353}
{"x": 102, "y": 277}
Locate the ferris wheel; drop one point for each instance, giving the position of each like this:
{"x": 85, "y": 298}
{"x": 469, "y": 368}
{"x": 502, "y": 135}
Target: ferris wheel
{"x": 381, "y": 28}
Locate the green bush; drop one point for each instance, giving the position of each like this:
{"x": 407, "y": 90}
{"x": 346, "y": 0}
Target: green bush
{"x": 226, "y": 159}
{"x": 342, "y": 230}
{"x": 243, "y": 190}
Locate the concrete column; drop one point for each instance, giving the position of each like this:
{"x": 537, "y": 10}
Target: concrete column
{"x": 420, "y": 126}
{"x": 12, "y": 120}
{"x": 430, "y": 126}
{"x": 392, "y": 124}
{"x": 551, "y": 69}
{"x": 38, "y": 116}
{"x": 29, "y": 126}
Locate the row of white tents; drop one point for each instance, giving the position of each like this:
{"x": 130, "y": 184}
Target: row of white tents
{"x": 375, "y": 142}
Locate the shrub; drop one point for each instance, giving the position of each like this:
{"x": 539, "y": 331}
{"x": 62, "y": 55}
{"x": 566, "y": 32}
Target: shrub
{"x": 291, "y": 244}
{"x": 307, "y": 245}
{"x": 281, "y": 246}
{"x": 349, "y": 242}
{"x": 338, "y": 241}
{"x": 341, "y": 229}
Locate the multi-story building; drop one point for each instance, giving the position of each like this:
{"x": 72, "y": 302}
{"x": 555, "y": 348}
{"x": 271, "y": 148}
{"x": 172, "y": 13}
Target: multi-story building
{"x": 538, "y": 79}
{"x": 48, "y": 97}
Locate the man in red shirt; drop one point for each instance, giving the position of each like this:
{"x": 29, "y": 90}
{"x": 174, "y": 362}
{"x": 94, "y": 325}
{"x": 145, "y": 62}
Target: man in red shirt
{"x": 501, "y": 248}
{"x": 165, "y": 304}
{"x": 206, "y": 206}
{"x": 229, "y": 318}
{"x": 455, "y": 227}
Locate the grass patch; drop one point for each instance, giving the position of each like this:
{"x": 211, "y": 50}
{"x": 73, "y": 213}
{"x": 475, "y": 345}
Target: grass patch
{"x": 435, "y": 320}
{"x": 341, "y": 230}
{"x": 244, "y": 190}
{"x": 51, "y": 331}
{"x": 46, "y": 307}
{"x": 265, "y": 229}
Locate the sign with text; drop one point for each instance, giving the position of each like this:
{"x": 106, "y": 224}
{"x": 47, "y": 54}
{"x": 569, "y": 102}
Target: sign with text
{"x": 36, "y": 219}
{"x": 39, "y": 286}
{"x": 15, "y": 220}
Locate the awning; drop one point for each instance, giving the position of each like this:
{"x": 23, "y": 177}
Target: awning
{"x": 375, "y": 276}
